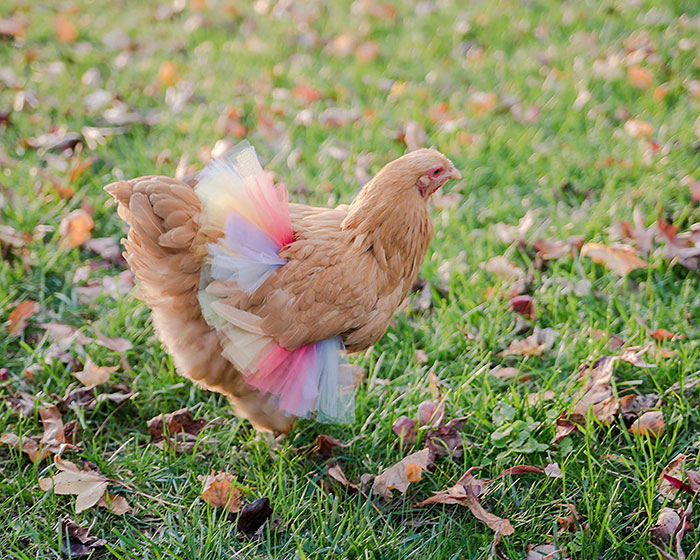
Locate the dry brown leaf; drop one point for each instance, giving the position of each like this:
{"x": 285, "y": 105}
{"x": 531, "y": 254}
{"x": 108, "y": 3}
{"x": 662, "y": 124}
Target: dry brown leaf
{"x": 662, "y": 334}
{"x": 503, "y": 269}
{"x": 495, "y": 523}
{"x": 481, "y": 103}
{"x": 396, "y": 477}
{"x": 637, "y": 128}
{"x": 54, "y": 435}
{"x": 536, "y": 399}
{"x": 632, "y": 406}
{"x": 674, "y": 471}
{"x": 113, "y": 343}
{"x": 27, "y": 445}
{"x": 167, "y": 74}
{"x": 337, "y": 474}
{"x": 326, "y": 444}
{"x": 599, "y": 396}
{"x": 508, "y": 373}
{"x": 640, "y": 77}
{"x": 89, "y": 486}
{"x": 76, "y": 541}
{"x": 75, "y": 229}
{"x": 536, "y": 344}
{"x": 619, "y": 259}
{"x": 552, "y": 470}
{"x": 220, "y": 492}
{"x": 633, "y": 355}
{"x": 177, "y": 429}
{"x": 667, "y": 524}
{"x": 92, "y": 374}
{"x": 649, "y": 424}
{"x": 65, "y": 31}
{"x": 545, "y": 552}
{"x": 20, "y": 315}
{"x": 367, "y": 52}
{"x": 115, "y": 503}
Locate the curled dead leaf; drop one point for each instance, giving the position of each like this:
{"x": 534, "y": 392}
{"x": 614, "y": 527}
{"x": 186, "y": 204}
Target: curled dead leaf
{"x": 649, "y": 424}
{"x": 667, "y": 524}
{"x": 536, "y": 344}
{"x": 619, "y": 259}
{"x": 75, "y": 229}
{"x": 92, "y": 374}
{"x": 220, "y": 492}
{"x": 20, "y": 315}
{"x": 396, "y": 477}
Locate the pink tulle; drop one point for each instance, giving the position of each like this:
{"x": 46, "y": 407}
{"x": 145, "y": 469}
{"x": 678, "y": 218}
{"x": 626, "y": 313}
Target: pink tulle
{"x": 271, "y": 203}
{"x": 291, "y": 375}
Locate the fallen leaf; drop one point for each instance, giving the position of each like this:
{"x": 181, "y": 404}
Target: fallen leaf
{"x": 25, "y": 444}
{"x": 536, "y": 344}
{"x": 667, "y": 524}
{"x": 637, "y": 128}
{"x": 569, "y": 522}
{"x": 89, "y": 486}
{"x": 367, "y": 52}
{"x": 115, "y": 503}
{"x": 685, "y": 525}
{"x": 554, "y": 249}
{"x": 167, "y": 74}
{"x": 253, "y": 516}
{"x": 446, "y": 439}
{"x": 178, "y": 429}
{"x": 672, "y": 476}
{"x": 508, "y": 233}
{"x": 20, "y": 316}
{"x": 598, "y": 396}
{"x": 495, "y": 523}
{"x": 334, "y": 117}
{"x": 396, "y": 476}
{"x": 505, "y": 373}
{"x": 633, "y": 355}
{"x": 552, "y": 470}
{"x": 337, "y": 474}
{"x": 326, "y": 444}
{"x": 65, "y": 31}
{"x": 92, "y": 374}
{"x": 75, "y": 229}
{"x": 536, "y": 399}
{"x": 632, "y": 406}
{"x": 503, "y": 269}
{"x": 481, "y": 103}
{"x": 662, "y": 334}
{"x": 76, "y": 541}
{"x": 525, "y": 305}
{"x": 431, "y": 413}
{"x": 54, "y": 435}
{"x": 406, "y": 427}
{"x": 220, "y": 492}
{"x": 640, "y": 77}
{"x": 107, "y": 247}
{"x": 649, "y": 424}
{"x": 545, "y": 552}
{"x": 115, "y": 344}
{"x": 86, "y": 398}
{"x": 619, "y": 259}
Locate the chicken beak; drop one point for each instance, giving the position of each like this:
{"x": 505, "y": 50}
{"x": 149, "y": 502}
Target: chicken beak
{"x": 454, "y": 173}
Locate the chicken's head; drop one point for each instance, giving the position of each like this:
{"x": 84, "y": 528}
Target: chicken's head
{"x": 423, "y": 171}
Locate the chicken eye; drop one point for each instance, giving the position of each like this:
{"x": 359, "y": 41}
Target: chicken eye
{"x": 436, "y": 171}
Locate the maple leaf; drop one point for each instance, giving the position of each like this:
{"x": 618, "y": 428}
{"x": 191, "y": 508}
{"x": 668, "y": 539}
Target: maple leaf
{"x": 89, "y": 486}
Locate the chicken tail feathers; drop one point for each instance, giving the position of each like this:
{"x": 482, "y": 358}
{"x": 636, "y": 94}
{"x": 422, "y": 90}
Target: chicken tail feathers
{"x": 251, "y": 216}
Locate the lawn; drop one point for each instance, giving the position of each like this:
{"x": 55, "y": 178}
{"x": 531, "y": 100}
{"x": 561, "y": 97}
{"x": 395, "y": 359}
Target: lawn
{"x": 579, "y": 118}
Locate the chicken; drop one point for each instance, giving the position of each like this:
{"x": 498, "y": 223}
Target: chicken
{"x": 260, "y": 299}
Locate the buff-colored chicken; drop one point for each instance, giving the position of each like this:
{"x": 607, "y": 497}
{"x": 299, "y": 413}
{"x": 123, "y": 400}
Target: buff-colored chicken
{"x": 257, "y": 298}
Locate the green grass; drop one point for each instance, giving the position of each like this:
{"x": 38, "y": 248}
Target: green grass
{"x": 576, "y": 169}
